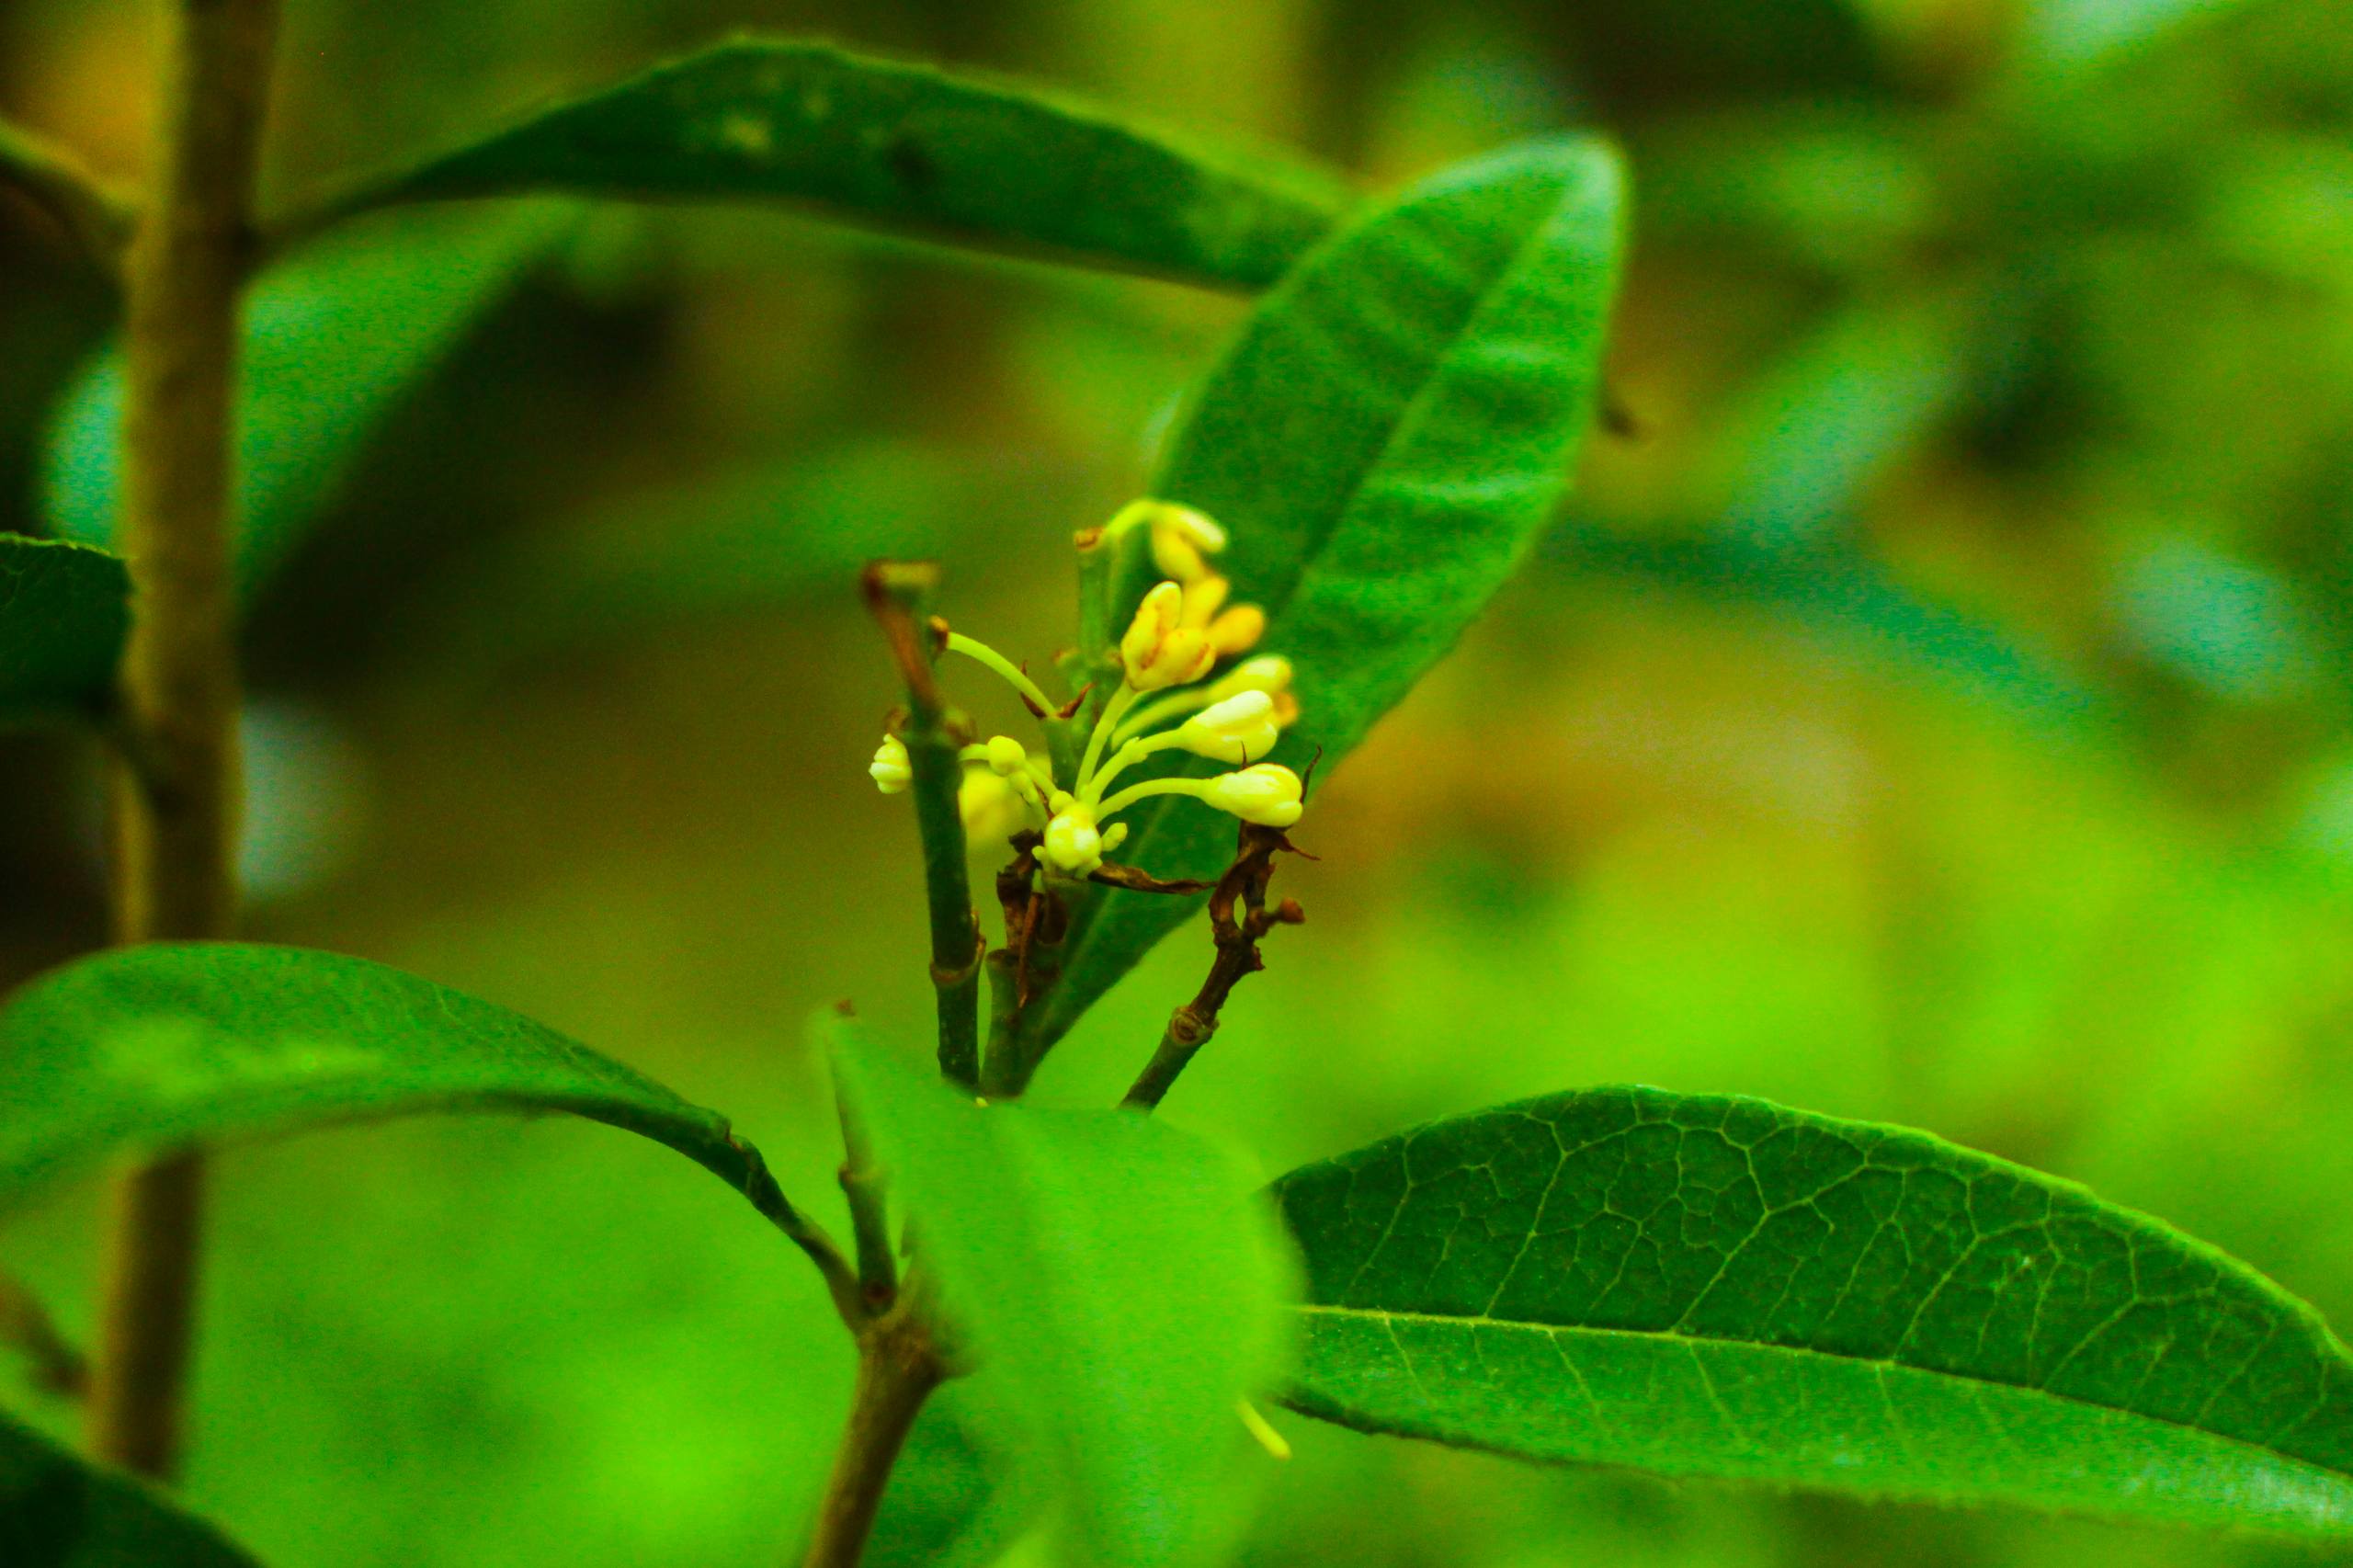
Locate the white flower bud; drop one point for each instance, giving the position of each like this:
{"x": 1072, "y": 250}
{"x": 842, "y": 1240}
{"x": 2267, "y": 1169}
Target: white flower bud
{"x": 1270, "y": 673}
{"x": 1006, "y": 756}
{"x": 1266, "y": 794}
{"x": 891, "y": 770}
{"x": 1072, "y": 843}
{"x": 1236, "y": 729}
{"x": 989, "y": 805}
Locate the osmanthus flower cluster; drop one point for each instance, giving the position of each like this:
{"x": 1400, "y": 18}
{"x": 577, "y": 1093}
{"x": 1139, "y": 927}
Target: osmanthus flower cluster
{"x": 1166, "y": 701}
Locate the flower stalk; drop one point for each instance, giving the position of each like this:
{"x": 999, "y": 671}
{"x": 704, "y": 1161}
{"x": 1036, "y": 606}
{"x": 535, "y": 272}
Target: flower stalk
{"x": 1148, "y": 691}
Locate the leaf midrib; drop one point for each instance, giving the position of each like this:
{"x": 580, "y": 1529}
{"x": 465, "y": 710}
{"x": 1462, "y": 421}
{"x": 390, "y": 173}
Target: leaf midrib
{"x": 1800, "y": 1352}
{"x": 1408, "y": 420}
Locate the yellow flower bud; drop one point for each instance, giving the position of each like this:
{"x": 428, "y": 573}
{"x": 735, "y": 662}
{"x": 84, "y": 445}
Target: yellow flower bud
{"x": 1181, "y": 537}
{"x": 1006, "y": 756}
{"x": 891, "y": 770}
{"x": 1267, "y": 795}
{"x": 1236, "y": 729}
{"x": 1072, "y": 843}
{"x": 1231, "y": 631}
{"x": 1237, "y": 630}
{"x": 1204, "y": 597}
{"x": 1159, "y": 650}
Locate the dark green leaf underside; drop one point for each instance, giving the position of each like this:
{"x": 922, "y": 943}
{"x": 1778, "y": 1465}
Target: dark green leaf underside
{"x": 1715, "y": 1286}
{"x": 64, "y": 611}
{"x": 901, "y": 146}
{"x": 1393, "y": 426}
{"x": 175, "y": 1044}
{"x": 58, "y": 1512}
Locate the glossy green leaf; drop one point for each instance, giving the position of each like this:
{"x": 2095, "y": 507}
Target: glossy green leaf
{"x": 1114, "y": 1277}
{"x": 1383, "y": 442}
{"x": 333, "y": 338}
{"x": 950, "y": 156}
{"x": 1718, "y": 1287}
{"x": 57, "y": 1511}
{"x": 64, "y": 611}
{"x": 158, "y": 1047}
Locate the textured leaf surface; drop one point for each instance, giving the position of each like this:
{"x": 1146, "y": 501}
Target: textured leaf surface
{"x": 1384, "y": 441}
{"x": 909, "y": 147}
{"x": 171, "y": 1044}
{"x": 333, "y": 338}
{"x": 1716, "y": 1286}
{"x": 64, "y": 610}
{"x": 1114, "y": 1277}
{"x": 58, "y": 1512}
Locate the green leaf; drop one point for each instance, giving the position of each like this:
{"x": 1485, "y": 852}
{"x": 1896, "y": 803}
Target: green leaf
{"x": 64, "y": 611}
{"x": 958, "y": 1498}
{"x": 752, "y": 542}
{"x": 953, "y": 157}
{"x": 158, "y": 1047}
{"x": 1114, "y": 1277}
{"x": 1861, "y": 392}
{"x": 1718, "y": 1287}
{"x": 1836, "y": 593}
{"x": 2064, "y": 36}
{"x": 1383, "y": 442}
{"x": 331, "y": 340}
{"x": 58, "y": 1512}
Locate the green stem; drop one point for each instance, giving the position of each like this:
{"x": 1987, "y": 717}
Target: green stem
{"x": 1012, "y": 674}
{"x": 1105, "y": 724}
{"x": 898, "y": 593}
{"x": 869, "y": 1196}
{"x": 175, "y": 819}
{"x": 1001, "y": 1071}
{"x": 1188, "y": 1031}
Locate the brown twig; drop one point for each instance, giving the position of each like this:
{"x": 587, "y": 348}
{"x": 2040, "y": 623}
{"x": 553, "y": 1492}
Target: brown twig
{"x": 174, "y": 820}
{"x": 1239, "y": 917}
{"x": 898, "y": 1367}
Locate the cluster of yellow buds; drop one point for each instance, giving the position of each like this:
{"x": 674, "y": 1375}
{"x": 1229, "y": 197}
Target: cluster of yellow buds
{"x": 1181, "y": 633}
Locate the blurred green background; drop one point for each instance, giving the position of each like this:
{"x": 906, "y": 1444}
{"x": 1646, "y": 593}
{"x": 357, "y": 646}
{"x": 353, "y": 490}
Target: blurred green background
{"x": 1937, "y": 707}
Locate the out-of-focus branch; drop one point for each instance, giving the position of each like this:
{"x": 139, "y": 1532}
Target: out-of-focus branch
{"x": 95, "y": 216}
{"x": 57, "y": 1366}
